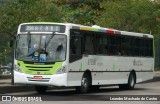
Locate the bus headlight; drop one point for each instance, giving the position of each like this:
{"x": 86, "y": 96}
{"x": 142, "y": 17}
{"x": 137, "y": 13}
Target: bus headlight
{"x": 16, "y": 68}
{"x": 61, "y": 70}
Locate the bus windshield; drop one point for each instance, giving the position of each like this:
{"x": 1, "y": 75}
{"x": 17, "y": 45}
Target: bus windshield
{"x": 41, "y": 47}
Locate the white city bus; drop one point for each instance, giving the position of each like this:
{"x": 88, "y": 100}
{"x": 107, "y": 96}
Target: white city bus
{"x": 71, "y": 55}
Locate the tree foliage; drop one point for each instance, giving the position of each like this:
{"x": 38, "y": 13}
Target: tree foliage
{"x": 128, "y": 15}
{"x": 18, "y": 11}
{"x": 81, "y": 12}
{"x": 14, "y": 12}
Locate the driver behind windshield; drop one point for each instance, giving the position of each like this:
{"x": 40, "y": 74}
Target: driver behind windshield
{"x": 38, "y": 54}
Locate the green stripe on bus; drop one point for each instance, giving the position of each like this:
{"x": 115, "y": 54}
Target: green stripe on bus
{"x": 93, "y": 29}
{"x": 114, "y": 66}
{"x": 81, "y": 65}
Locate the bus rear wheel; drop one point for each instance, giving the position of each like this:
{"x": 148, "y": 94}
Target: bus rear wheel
{"x": 131, "y": 82}
{"x": 84, "y": 84}
{"x": 41, "y": 89}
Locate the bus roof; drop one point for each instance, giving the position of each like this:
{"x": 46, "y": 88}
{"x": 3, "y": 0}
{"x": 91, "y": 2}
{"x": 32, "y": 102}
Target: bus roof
{"x": 96, "y": 28}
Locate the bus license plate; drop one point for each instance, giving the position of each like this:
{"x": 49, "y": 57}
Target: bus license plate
{"x": 38, "y": 77}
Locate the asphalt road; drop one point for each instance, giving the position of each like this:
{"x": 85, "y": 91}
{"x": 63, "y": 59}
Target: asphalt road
{"x": 149, "y": 91}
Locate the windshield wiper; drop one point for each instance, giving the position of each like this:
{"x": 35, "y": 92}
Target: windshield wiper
{"x": 40, "y": 42}
{"x": 46, "y": 44}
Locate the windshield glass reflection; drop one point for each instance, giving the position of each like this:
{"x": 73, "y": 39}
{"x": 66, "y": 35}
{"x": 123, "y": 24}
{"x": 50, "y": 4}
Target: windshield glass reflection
{"x": 41, "y": 48}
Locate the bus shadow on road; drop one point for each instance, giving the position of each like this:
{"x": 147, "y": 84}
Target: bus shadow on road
{"x": 102, "y": 94}
{"x": 101, "y": 91}
{"x": 155, "y": 79}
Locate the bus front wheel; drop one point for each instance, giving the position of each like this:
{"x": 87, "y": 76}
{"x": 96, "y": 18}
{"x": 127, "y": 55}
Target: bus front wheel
{"x": 41, "y": 89}
{"x": 84, "y": 84}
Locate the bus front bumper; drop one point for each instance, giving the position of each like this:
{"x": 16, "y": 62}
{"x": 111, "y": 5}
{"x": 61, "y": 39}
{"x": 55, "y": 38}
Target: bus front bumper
{"x": 46, "y": 80}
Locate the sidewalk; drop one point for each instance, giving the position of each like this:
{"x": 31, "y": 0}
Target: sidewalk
{"x": 6, "y": 87}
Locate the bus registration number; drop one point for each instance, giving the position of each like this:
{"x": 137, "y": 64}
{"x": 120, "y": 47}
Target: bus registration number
{"x": 38, "y": 77}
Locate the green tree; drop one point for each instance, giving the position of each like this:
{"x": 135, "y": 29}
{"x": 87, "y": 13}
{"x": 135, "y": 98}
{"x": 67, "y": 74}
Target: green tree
{"x": 129, "y": 15}
{"x": 80, "y": 11}
{"x": 14, "y": 12}
{"x": 17, "y": 11}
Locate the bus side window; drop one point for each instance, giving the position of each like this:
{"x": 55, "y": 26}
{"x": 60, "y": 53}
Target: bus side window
{"x": 88, "y": 43}
{"x": 72, "y": 46}
{"x": 75, "y": 45}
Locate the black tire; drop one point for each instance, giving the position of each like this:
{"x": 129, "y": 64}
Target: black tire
{"x": 84, "y": 84}
{"x": 131, "y": 82}
{"x": 41, "y": 89}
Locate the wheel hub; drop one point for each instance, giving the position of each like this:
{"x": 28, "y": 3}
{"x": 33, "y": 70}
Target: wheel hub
{"x": 84, "y": 82}
{"x": 132, "y": 81}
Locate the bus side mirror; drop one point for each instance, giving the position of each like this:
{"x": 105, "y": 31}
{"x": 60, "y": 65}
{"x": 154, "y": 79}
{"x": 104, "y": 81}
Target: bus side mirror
{"x": 12, "y": 37}
{"x": 11, "y": 41}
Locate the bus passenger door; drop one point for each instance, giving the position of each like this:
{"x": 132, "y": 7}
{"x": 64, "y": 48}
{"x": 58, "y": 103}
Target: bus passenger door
{"x": 75, "y": 59}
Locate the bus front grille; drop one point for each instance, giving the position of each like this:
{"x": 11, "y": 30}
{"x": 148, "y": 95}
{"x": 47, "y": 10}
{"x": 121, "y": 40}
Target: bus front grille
{"x": 39, "y": 68}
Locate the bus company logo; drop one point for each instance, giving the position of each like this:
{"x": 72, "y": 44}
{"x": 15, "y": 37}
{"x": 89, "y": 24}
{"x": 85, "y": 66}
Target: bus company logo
{"x": 6, "y": 98}
{"x": 91, "y": 62}
{"x": 137, "y": 62}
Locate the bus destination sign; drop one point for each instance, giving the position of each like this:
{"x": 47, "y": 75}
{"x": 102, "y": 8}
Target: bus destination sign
{"x": 42, "y": 28}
